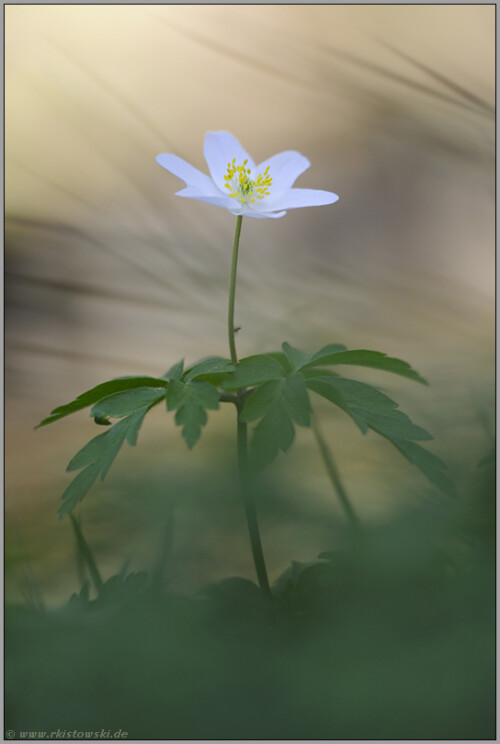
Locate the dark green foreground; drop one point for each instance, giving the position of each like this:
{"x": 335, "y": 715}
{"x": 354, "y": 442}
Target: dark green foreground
{"x": 390, "y": 638}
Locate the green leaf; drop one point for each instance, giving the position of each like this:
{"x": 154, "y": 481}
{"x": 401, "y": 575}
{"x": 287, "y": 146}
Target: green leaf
{"x": 368, "y": 407}
{"x": 89, "y": 453}
{"x": 116, "y": 437}
{"x": 102, "y": 391}
{"x": 190, "y": 399}
{"x": 279, "y": 403}
{"x": 97, "y": 457}
{"x": 280, "y": 357}
{"x": 322, "y": 386}
{"x": 328, "y": 349}
{"x": 192, "y": 418}
{"x": 338, "y": 354}
{"x": 122, "y": 404}
{"x": 259, "y": 400}
{"x": 364, "y": 358}
{"x": 175, "y": 394}
{"x": 311, "y": 372}
{"x": 77, "y": 489}
{"x": 134, "y": 424}
{"x": 296, "y": 358}
{"x": 371, "y": 409}
{"x": 299, "y": 360}
{"x": 296, "y": 399}
{"x": 274, "y": 433}
{"x": 210, "y": 366}
{"x": 430, "y": 465}
{"x": 254, "y": 370}
{"x": 175, "y": 371}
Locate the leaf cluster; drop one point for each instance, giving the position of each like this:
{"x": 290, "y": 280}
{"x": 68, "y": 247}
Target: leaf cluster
{"x": 271, "y": 390}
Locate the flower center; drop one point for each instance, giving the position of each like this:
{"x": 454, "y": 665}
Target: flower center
{"x": 242, "y": 187}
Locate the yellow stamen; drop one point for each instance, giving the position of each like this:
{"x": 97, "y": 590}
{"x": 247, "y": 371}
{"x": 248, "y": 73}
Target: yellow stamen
{"x": 240, "y": 184}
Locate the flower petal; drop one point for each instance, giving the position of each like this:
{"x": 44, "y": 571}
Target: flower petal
{"x": 217, "y": 199}
{"x": 263, "y": 215}
{"x": 284, "y": 168}
{"x": 295, "y": 198}
{"x": 186, "y": 172}
{"x": 219, "y": 150}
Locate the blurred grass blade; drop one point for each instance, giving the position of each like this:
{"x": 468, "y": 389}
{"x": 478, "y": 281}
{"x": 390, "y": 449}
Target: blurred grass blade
{"x": 86, "y": 555}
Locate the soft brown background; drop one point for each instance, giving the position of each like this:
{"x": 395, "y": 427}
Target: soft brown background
{"x": 109, "y": 273}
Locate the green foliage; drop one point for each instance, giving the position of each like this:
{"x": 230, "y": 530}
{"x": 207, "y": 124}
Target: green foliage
{"x": 279, "y": 403}
{"x": 175, "y": 371}
{"x": 269, "y": 388}
{"x": 280, "y": 400}
{"x": 102, "y": 391}
{"x": 254, "y": 370}
{"x": 212, "y": 367}
{"x": 190, "y": 399}
{"x": 97, "y": 456}
{"x": 371, "y": 409}
{"x": 338, "y": 354}
{"x": 122, "y": 404}
{"x": 414, "y": 597}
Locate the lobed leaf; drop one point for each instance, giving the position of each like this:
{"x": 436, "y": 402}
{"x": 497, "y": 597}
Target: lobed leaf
{"x": 190, "y": 399}
{"x": 300, "y": 360}
{"x": 192, "y": 418}
{"x": 254, "y": 370}
{"x": 278, "y": 403}
{"x": 102, "y": 391}
{"x": 338, "y": 354}
{"x": 297, "y": 359}
{"x": 430, "y": 465}
{"x": 175, "y": 371}
{"x": 97, "y": 456}
{"x": 296, "y": 399}
{"x": 89, "y": 453}
{"x": 122, "y": 404}
{"x": 364, "y": 358}
{"x": 371, "y": 409}
{"x": 77, "y": 489}
{"x": 209, "y": 366}
{"x": 275, "y": 432}
{"x": 260, "y": 400}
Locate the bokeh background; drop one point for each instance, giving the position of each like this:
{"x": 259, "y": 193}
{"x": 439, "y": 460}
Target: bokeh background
{"x": 108, "y": 273}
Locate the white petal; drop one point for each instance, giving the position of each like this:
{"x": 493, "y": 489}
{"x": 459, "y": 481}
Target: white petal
{"x": 295, "y": 198}
{"x": 246, "y": 210}
{"x": 219, "y": 150}
{"x": 284, "y": 168}
{"x": 264, "y": 215}
{"x": 186, "y": 172}
{"x": 217, "y": 199}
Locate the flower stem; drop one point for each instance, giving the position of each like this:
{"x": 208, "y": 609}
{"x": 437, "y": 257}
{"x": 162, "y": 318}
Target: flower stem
{"x": 253, "y": 525}
{"x": 232, "y": 291}
{"x": 334, "y": 476}
{"x": 242, "y": 435}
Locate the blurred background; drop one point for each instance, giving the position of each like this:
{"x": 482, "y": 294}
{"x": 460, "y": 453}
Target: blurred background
{"x": 108, "y": 273}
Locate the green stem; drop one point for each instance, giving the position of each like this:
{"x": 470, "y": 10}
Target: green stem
{"x": 334, "y": 476}
{"x": 253, "y": 525}
{"x": 232, "y": 291}
{"x": 242, "y": 434}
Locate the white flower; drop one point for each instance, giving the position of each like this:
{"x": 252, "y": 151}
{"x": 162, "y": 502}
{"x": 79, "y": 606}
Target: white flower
{"x": 237, "y": 184}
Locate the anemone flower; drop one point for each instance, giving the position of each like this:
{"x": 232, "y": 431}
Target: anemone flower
{"x": 238, "y": 185}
